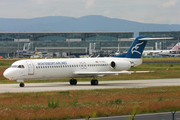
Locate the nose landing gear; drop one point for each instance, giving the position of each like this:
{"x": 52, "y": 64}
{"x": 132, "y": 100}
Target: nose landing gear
{"x": 21, "y": 84}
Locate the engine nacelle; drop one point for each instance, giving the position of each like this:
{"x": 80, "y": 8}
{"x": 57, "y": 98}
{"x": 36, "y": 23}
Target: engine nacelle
{"x": 120, "y": 65}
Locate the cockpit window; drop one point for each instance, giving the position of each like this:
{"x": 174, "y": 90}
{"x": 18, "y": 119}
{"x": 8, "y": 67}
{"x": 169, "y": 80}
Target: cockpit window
{"x": 13, "y": 66}
{"x": 20, "y": 66}
{"x": 17, "y": 66}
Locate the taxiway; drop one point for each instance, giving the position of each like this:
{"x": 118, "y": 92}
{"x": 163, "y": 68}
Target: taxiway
{"x": 63, "y": 86}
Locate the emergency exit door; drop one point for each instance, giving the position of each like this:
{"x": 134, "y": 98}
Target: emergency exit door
{"x": 30, "y": 68}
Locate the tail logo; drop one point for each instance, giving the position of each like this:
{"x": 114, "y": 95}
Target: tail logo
{"x": 175, "y": 48}
{"x": 134, "y": 49}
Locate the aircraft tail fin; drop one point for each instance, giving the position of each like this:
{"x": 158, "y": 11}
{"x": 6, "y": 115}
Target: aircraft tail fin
{"x": 136, "y": 49}
{"x": 175, "y": 48}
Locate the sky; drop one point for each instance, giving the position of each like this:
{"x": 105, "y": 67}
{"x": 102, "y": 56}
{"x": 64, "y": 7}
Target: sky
{"x": 144, "y": 11}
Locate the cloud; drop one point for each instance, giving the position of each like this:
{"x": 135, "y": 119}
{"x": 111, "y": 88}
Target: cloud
{"x": 107, "y": 13}
{"x": 89, "y": 4}
{"x": 147, "y": 11}
{"x": 169, "y": 4}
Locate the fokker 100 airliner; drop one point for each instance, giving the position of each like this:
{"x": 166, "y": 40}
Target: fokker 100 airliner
{"x": 78, "y": 67}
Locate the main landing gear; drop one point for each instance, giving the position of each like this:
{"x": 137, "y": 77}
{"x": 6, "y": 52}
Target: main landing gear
{"x": 21, "y": 84}
{"x": 73, "y": 82}
{"x": 94, "y": 82}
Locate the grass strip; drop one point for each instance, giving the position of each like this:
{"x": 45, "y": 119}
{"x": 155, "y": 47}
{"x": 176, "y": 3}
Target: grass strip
{"x": 81, "y": 104}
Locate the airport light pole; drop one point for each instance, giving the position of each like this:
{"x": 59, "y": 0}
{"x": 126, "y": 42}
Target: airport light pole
{"x": 119, "y": 37}
{"x": 18, "y": 46}
{"x": 31, "y": 38}
{"x": 68, "y": 46}
{"x": 178, "y": 44}
{"x": 97, "y": 39}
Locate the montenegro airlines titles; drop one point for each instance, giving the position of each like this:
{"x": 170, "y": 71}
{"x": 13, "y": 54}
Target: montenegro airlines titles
{"x": 77, "y": 67}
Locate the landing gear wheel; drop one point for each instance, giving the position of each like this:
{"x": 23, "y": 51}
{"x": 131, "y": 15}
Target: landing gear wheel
{"x": 94, "y": 82}
{"x": 73, "y": 82}
{"x": 21, "y": 84}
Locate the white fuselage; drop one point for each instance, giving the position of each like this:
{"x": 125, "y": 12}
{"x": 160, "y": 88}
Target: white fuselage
{"x": 65, "y": 68}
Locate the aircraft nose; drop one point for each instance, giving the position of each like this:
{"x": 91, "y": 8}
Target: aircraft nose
{"x": 7, "y": 74}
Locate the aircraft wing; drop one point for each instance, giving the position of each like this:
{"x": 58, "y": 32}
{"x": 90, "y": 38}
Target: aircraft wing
{"x": 106, "y": 73}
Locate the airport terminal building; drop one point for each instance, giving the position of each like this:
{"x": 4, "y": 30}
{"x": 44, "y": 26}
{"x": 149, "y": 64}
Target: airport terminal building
{"x": 79, "y": 42}
{"x": 63, "y": 42}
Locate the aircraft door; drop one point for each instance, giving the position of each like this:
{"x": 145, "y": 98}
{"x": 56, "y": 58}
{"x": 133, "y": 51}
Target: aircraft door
{"x": 30, "y": 68}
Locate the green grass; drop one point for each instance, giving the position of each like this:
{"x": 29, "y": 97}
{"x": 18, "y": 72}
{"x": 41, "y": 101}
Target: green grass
{"x": 85, "y": 103}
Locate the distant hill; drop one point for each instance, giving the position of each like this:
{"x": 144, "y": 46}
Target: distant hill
{"x": 83, "y": 24}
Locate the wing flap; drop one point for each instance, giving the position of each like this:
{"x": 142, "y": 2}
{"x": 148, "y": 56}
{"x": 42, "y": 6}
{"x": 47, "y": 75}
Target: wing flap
{"x": 103, "y": 73}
